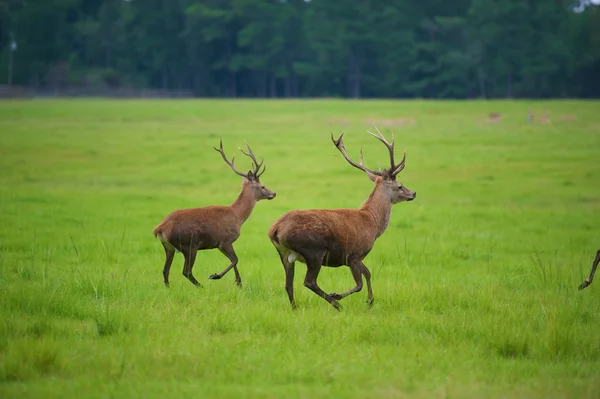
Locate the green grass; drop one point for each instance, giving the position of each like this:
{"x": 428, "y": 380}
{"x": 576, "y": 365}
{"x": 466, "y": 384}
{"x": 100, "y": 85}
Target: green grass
{"x": 475, "y": 281}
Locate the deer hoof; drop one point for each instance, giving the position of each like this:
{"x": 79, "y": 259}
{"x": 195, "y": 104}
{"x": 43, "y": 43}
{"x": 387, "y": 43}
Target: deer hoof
{"x": 370, "y": 302}
{"x": 214, "y": 277}
{"x": 336, "y": 305}
{"x": 584, "y": 284}
{"x": 337, "y": 297}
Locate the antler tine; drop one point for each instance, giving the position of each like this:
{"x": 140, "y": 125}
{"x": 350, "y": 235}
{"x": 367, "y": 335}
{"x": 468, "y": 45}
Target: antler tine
{"x": 390, "y": 146}
{"x": 250, "y": 154}
{"x": 259, "y": 174}
{"x": 339, "y": 144}
{"x": 400, "y": 165}
{"x": 231, "y": 164}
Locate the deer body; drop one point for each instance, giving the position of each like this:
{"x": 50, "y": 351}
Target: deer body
{"x": 342, "y": 233}
{"x": 338, "y": 237}
{"x": 194, "y": 229}
{"x": 207, "y": 227}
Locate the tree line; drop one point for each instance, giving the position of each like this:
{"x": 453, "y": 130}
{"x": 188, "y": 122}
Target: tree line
{"x": 306, "y": 48}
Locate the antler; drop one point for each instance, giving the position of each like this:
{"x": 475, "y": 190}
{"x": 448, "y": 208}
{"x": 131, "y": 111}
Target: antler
{"x": 257, "y": 165}
{"x": 340, "y": 146}
{"x": 231, "y": 164}
{"x": 392, "y": 171}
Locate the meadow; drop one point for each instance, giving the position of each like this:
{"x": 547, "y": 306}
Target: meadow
{"x": 475, "y": 282}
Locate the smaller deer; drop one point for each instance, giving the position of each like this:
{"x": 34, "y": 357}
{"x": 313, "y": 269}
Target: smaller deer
{"x": 545, "y": 118}
{"x": 195, "y": 229}
{"x": 340, "y": 237}
{"x": 588, "y": 280}
{"x": 494, "y": 117}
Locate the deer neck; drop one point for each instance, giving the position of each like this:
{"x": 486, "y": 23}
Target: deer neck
{"x": 244, "y": 204}
{"x": 379, "y": 208}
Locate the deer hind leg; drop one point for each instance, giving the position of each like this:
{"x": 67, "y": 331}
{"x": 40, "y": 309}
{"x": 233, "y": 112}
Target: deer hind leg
{"x": 190, "y": 258}
{"x": 169, "y": 254}
{"x": 589, "y": 280}
{"x": 289, "y": 268}
{"x": 356, "y": 269}
{"x": 227, "y": 250}
{"x": 313, "y": 267}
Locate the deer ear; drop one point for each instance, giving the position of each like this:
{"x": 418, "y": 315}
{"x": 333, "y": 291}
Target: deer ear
{"x": 371, "y": 176}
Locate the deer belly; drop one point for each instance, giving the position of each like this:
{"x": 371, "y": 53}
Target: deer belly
{"x": 199, "y": 242}
{"x": 330, "y": 259}
{"x": 335, "y": 259}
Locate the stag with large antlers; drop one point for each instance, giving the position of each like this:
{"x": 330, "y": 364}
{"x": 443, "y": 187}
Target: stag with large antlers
{"x": 340, "y": 237}
{"x": 589, "y": 280}
{"x": 194, "y": 229}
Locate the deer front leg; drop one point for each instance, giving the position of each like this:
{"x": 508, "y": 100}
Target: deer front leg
{"x": 227, "y": 250}
{"x": 356, "y": 269}
{"x": 589, "y": 280}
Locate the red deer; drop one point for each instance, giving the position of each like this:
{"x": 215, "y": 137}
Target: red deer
{"x": 545, "y": 119}
{"x": 195, "y": 229}
{"x": 588, "y": 280}
{"x": 339, "y": 237}
{"x": 494, "y": 117}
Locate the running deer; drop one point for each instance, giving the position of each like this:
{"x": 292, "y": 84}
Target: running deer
{"x": 339, "y": 237}
{"x": 195, "y": 229}
{"x": 588, "y": 280}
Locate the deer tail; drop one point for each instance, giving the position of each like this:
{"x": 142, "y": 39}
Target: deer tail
{"x": 273, "y": 234}
{"x": 157, "y": 230}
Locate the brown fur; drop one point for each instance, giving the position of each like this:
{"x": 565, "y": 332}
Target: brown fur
{"x": 196, "y": 229}
{"x": 589, "y": 280}
{"x": 337, "y": 237}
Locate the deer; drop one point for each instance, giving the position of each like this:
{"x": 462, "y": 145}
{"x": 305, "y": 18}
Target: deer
{"x": 340, "y": 237}
{"x": 588, "y": 280}
{"x": 195, "y": 229}
{"x": 494, "y": 117}
{"x": 545, "y": 118}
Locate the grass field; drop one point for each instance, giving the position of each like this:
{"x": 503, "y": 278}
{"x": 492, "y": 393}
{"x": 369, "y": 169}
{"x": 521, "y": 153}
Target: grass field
{"x": 475, "y": 281}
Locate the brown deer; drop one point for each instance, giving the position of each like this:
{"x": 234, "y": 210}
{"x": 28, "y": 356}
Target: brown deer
{"x": 494, "y": 117}
{"x": 545, "y": 118}
{"x": 339, "y": 237}
{"x": 588, "y": 280}
{"x": 195, "y": 229}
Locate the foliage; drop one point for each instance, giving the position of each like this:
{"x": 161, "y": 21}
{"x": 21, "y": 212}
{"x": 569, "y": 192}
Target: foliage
{"x": 301, "y": 48}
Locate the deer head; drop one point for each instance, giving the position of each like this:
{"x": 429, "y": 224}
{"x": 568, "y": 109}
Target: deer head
{"x": 251, "y": 180}
{"x": 384, "y": 179}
